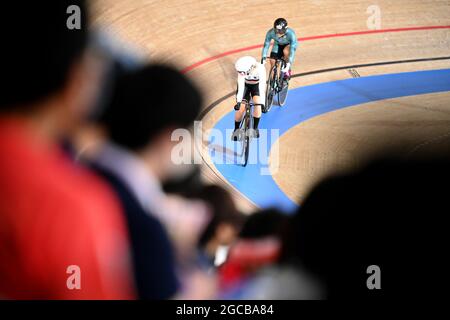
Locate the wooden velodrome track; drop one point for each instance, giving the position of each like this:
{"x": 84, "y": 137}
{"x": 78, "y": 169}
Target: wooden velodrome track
{"x": 205, "y": 37}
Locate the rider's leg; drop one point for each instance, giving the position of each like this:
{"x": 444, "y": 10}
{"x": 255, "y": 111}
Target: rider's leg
{"x": 286, "y": 53}
{"x": 256, "y": 114}
{"x": 256, "y": 111}
{"x": 238, "y": 115}
{"x": 271, "y": 63}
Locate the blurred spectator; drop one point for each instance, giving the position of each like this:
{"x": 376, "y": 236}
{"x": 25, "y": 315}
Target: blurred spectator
{"x": 53, "y": 214}
{"x": 118, "y": 59}
{"x": 262, "y": 264}
{"x": 224, "y": 227}
{"x": 226, "y": 220}
{"x": 391, "y": 214}
{"x": 187, "y": 184}
{"x": 259, "y": 245}
{"x": 263, "y": 224}
{"x": 147, "y": 105}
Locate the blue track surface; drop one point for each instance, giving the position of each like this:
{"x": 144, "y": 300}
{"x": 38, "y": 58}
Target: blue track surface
{"x": 302, "y": 104}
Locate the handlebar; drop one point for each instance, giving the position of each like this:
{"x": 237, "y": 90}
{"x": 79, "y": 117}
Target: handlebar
{"x": 276, "y": 59}
{"x": 251, "y": 103}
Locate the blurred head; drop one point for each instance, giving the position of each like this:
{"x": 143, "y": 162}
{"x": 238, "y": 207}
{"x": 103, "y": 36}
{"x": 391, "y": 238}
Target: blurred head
{"x": 280, "y": 26}
{"x": 263, "y": 224}
{"x": 45, "y": 65}
{"x": 227, "y": 220}
{"x": 147, "y": 106}
{"x": 186, "y": 185}
{"x": 260, "y": 240}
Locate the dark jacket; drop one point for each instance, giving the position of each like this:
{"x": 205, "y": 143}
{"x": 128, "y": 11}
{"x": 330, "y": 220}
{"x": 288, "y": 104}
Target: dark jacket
{"x": 152, "y": 253}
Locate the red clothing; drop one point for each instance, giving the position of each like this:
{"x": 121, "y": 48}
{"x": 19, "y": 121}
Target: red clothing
{"x": 54, "y": 214}
{"x": 245, "y": 257}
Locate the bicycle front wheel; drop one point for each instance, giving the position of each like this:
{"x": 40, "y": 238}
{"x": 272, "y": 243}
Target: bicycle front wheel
{"x": 282, "y": 94}
{"x": 246, "y": 143}
{"x": 270, "y": 90}
{"x": 245, "y": 139}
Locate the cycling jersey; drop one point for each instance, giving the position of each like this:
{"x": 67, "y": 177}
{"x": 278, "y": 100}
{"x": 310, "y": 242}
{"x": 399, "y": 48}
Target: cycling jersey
{"x": 256, "y": 76}
{"x": 289, "y": 38}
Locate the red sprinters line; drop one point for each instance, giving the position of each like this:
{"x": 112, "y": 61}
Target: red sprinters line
{"x": 336, "y": 35}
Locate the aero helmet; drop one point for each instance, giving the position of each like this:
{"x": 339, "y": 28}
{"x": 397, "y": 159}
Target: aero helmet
{"x": 280, "y": 25}
{"x": 244, "y": 64}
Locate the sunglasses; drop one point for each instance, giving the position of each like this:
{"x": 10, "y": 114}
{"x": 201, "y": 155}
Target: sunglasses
{"x": 280, "y": 31}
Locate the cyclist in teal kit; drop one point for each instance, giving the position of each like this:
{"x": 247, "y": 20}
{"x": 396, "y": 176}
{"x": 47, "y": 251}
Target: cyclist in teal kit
{"x": 284, "y": 47}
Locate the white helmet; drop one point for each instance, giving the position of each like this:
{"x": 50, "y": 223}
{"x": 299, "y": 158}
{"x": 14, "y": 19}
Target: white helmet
{"x": 244, "y": 64}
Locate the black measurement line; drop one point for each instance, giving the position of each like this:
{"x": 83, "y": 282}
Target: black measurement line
{"x": 220, "y": 100}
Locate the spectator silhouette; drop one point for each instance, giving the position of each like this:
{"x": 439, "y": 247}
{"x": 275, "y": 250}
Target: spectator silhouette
{"x": 224, "y": 227}
{"x": 53, "y": 214}
{"x": 147, "y": 105}
{"x": 390, "y": 214}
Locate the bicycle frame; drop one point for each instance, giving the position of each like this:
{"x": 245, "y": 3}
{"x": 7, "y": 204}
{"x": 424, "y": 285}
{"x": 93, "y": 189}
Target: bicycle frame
{"x": 274, "y": 83}
{"x": 277, "y": 67}
{"x": 248, "y": 114}
{"x": 246, "y": 125}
